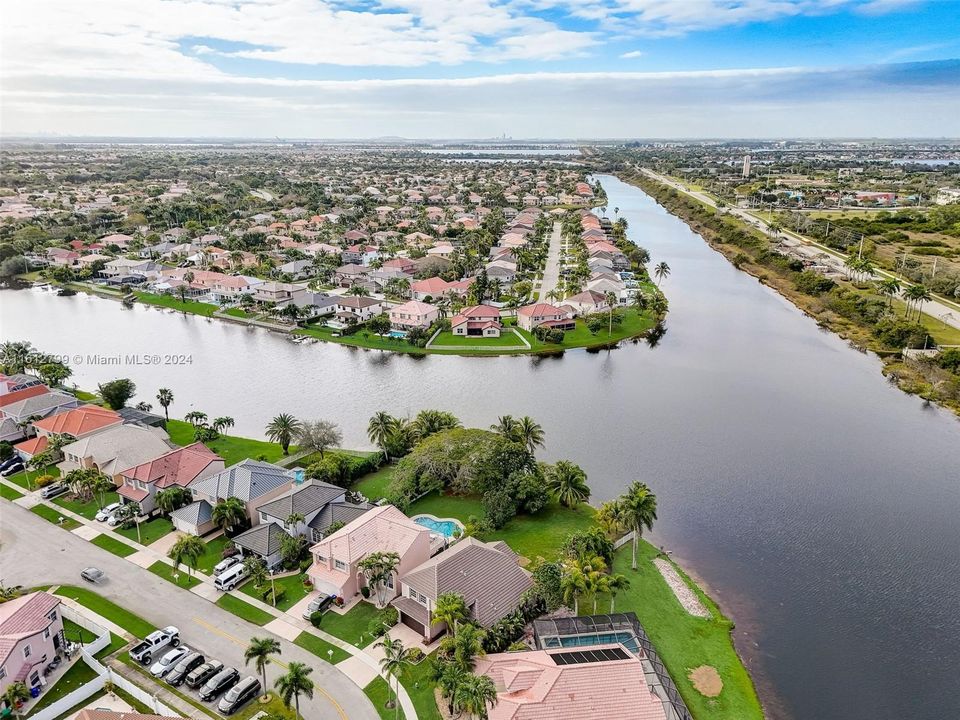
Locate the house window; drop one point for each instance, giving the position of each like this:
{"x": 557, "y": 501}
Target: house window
{"x": 390, "y": 582}
{"x": 423, "y": 598}
{"x": 263, "y": 517}
{"x": 26, "y": 651}
{"x": 339, "y": 564}
{"x": 46, "y": 633}
{"x": 3, "y": 673}
{"x": 412, "y": 593}
{"x": 52, "y": 616}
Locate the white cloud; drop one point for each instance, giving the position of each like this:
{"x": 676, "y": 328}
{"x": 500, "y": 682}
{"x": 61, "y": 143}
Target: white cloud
{"x": 633, "y": 54}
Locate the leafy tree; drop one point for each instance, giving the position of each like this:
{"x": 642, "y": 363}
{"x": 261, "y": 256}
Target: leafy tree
{"x": 568, "y": 483}
{"x": 16, "y": 694}
{"x": 319, "y": 436}
{"x": 592, "y": 542}
{"x": 378, "y": 568}
{"x": 256, "y": 570}
{"x": 54, "y": 373}
{"x": 116, "y": 393}
{"x": 260, "y": 650}
{"x": 379, "y": 324}
{"x": 283, "y": 429}
{"x": 294, "y": 683}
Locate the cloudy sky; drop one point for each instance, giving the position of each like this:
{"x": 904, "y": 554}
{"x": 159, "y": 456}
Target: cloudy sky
{"x": 481, "y": 68}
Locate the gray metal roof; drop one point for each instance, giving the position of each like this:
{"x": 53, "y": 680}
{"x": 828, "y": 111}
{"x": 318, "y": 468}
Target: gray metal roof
{"x": 302, "y": 499}
{"x": 196, "y": 513}
{"x": 342, "y": 512}
{"x": 246, "y": 480}
{"x": 263, "y": 539}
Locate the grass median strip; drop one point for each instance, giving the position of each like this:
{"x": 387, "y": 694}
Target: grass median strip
{"x": 111, "y": 544}
{"x": 233, "y": 604}
{"x": 51, "y": 515}
{"x": 180, "y": 578}
{"x": 379, "y": 694}
{"x": 8, "y": 493}
{"x": 321, "y": 648}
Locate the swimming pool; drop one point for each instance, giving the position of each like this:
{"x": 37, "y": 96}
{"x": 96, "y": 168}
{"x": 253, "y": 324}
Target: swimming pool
{"x": 397, "y": 334}
{"x": 446, "y": 527}
{"x": 627, "y": 639}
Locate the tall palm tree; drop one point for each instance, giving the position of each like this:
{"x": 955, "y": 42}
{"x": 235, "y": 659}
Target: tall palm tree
{"x": 639, "y": 507}
{"x": 661, "y": 271}
{"x": 259, "y": 650}
{"x": 450, "y": 608}
{"x": 616, "y": 583}
{"x": 395, "y": 660}
{"x": 379, "y": 429}
{"x": 917, "y": 295}
{"x": 450, "y": 677}
{"x": 188, "y": 549}
{"x": 889, "y": 289}
{"x": 505, "y": 426}
{"x": 222, "y": 423}
{"x": 529, "y": 432}
{"x": 294, "y": 683}
{"x": 165, "y": 398}
{"x": 572, "y": 584}
{"x": 282, "y": 429}
{"x": 568, "y": 483}
{"x": 611, "y": 298}
{"x": 172, "y": 498}
{"x": 610, "y": 517}
{"x": 195, "y": 417}
{"x": 228, "y": 513}
{"x": 474, "y": 694}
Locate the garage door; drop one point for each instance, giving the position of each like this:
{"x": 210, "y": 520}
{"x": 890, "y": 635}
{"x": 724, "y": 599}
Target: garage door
{"x": 411, "y": 623}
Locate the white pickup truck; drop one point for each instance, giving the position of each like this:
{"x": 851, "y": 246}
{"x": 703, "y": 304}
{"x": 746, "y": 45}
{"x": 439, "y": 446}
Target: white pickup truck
{"x": 154, "y": 643}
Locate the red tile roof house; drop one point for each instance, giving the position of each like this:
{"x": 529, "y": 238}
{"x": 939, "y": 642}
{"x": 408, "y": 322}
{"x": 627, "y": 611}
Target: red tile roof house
{"x": 429, "y": 289}
{"x": 583, "y": 683}
{"x": 31, "y": 632}
{"x": 413, "y": 314}
{"x": 587, "y": 302}
{"x": 76, "y": 423}
{"x": 487, "y": 575}
{"x": 383, "y": 529}
{"x": 177, "y": 468}
{"x": 533, "y": 316}
{"x": 477, "y": 320}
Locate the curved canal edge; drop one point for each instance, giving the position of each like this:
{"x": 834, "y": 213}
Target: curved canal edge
{"x": 905, "y": 374}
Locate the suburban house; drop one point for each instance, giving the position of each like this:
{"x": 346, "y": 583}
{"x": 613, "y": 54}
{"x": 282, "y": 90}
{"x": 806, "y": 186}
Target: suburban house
{"x": 253, "y": 481}
{"x": 115, "y": 449}
{"x": 18, "y": 381}
{"x": 281, "y": 294}
{"x": 31, "y": 633}
{"x": 596, "y": 681}
{"x": 76, "y": 424}
{"x": 537, "y": 314}
{"x": 359, "y": 308}
{"x": 382, "y": 529}
{"x": 479, "y": 320}
{"x": 587, "y": 302}
{"x": 487, "y": 575}
{"x": 31, "y": 407}
{"x": 320, "y": 504}
{"x": 413, "y": 314}
{"x": 177, "y": 468}
{"x": 430, "y": 288}
{"x": 350, "y": 274}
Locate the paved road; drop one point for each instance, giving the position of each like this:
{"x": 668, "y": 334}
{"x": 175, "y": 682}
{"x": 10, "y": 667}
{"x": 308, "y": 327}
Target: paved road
{"x": 551, "y": 272}
{"x": 935, "y": 308}
{"x": 33, "y": 552}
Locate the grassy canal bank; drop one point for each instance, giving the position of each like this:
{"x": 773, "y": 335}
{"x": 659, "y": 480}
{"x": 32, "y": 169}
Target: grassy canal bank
{"x": 855, "y": 311}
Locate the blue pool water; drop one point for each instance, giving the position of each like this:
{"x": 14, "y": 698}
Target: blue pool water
{"x": 627, "y": 639}
{"x": 441, "y": 527}
{"x": 397, "y": 334}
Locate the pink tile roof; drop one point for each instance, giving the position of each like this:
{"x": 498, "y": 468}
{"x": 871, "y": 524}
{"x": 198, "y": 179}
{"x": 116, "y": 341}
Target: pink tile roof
{"x": 430, "y": 285}
{"x": 17, "y": 395}
{"x": 413, "y": 307}
{"x": 383, "y": 529}
{"x": 177, "y": 467}
{"x": 79, "y": 421}
{"x": 22, "y": 617}
{"x": 531, "y": 686}
{"x": 540, "y": 310}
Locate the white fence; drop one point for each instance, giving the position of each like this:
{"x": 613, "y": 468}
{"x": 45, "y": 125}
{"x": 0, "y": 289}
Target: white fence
{"x": 620, "y": 542}
{"x": 103, "y": 635}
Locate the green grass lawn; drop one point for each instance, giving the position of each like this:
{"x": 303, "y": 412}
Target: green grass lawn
{"x": 116, "y": 643}
{"x": 8, "y": 493}
{"x": 167, "y": 573}
{"x": 150, "y": 531}
{"x": 75, "y": 633}
{"x": 238, "y": 312}
{"x": 133, "y": 624}
{"x": 380, "y": 693}
{"x": 633, "y": 324}
{"x": 48, "y": 513}
{"x": 172, "y": 301}
{"x": 362, "y": 338}
{"x": 87, "y": 397}
{"x": 274, "y": 709}
{"x": 77, "y": 676}
{"x": 27, "y": 478}
{"x": 213, "y": 554}
{"x": 507, "y": 339}
{"x": 233, "y": 604}
{"x": 321, "y": 648}
{"x": 232, "y": 449}
{"x": 419, "y": 686}
{"x": 111, "y": 544}
{"x": 374, "y": 485}
{"x": 351, "y": 626}
{"x": 292, "y": 586}
{"x": 685, "y": 642}
{"x": 86, "y": 508}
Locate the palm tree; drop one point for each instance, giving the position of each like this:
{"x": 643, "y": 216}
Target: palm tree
{"x": 450, "y": 608}
{"x": 222, "y": 423}
{"x": 529, "y": 432}
{"x": 505, "y": 426}
{"x": 188, "y": 549}
{"x": 395, "y": 660}
{"x": 568, "y": 483}
{"x": 889, "y": 289}
{"x": 661, "y": 271}
{"x": 616, "y": 583}
{"x": 100, "y": 485}
{"x": 259, "y": 650}
{"x": 451, "y": 677}
{"x": 16, "y": 694}
{"x": 572, "y": 584}
{"x": 918, "y": 295}
{"x": 611, "y": 298}
{"x": 172, "y": 498}
{"x": 195, "y": 418}
{"x": 465, "y": 645}
{"x": 639, "y": 508}
{"x": 474, "y": 694}
{"x": 610, "y": 517}
{"x": 379, "y": 430}
{"x": 294, "y": 683}
{"x": 282, "y": 429}
{"x": 165, "y": 397}
{"x": 256, "y": 570}
{"x": 228, "y": 513}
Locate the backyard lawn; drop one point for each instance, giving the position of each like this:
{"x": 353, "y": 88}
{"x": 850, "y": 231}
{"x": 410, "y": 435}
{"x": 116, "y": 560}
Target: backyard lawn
{"x": 231, "y": 448}
{"x": 150, "y": 531}
{"x": 77, "y": 676}
{"x": 48, "y": 513}
{"x": 133, "y": 624}
{"x": 351, "y": 626}
{"x": 290, "y": 588}
{"x": 633, "y": 324}
{"x": 111, "y": 544}
{"x": 116, "y": 643}
{"x": 321, "y": 648}
{"x": 507, "y": 339}
{"x": 85, "y": 508}
{"x": 374, "y": 485}
{"x": 75, "y": 633}
{"x": 172, "y": 301}
{"x": 233, "y": 604}
{"x": 167, "y": 573}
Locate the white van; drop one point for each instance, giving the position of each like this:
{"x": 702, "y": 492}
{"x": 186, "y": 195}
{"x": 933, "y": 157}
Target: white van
{"x": 231, "y": 578}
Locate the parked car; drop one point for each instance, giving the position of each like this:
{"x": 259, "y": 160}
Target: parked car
{"x": 239, "y": 695}
{"x": 231, "y": 578}
{"x": 13, "y": 468}
{"x": 200, "y": 674}
{"x": 168, "y": 661}
{"x": 92, "y": 574}
{"x": 318, "y": 604}
{"x": 188, "y": 664}
{"x": 107, "y": 511}
{"x": 221, "y": 567}
{"x": 10, "y": 461}
{"x": 55, "y": 490}
{"x": 154, "y": 643}
{"x": 219, "y": 683}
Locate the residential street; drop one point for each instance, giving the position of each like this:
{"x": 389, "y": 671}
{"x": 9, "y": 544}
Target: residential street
{"x": 551, "y": 272}
{"x": 33, "y": 552}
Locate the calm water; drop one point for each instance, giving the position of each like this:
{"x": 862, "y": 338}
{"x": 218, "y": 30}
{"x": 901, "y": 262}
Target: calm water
{"x": 820, "y": 505}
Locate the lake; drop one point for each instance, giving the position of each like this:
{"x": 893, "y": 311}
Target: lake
{"x": 818, "y": 503}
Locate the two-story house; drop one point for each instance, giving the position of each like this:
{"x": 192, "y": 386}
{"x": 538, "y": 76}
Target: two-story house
{"x": 31, "y": 634}
{"x": 177, "y": 468}
{"x": 413, "y": 314}
{"x": 75, "y": 424}
{"x": 477, "y": 320}
{"x": 359, "y": 308}
{"x": 533, "y": 316}
{"x": 281, "y": 294}
{"x": 113, "y": 450}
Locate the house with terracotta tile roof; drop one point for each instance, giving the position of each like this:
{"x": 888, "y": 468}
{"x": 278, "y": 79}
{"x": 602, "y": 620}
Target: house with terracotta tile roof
{"x": 17, "y": 381}
{"x": 533, "y": 316}
{"x": 477, "y": 320}
{"x": 15, "y": 415}
{"x": 582, "y": 683}
{"x": 413, "y": 314}
{"x": 22, "y": 393}
{"x": 115, "y": 449}
{"x": 77, "y": 422}
{"x": 587, "y": 302}
{"x": 487, "y": 575}
{"x": 31, "y": 633}
{"x": 383, "y": 529}
{"x": 431, "y": 288}
{"x": 177, "y": 468}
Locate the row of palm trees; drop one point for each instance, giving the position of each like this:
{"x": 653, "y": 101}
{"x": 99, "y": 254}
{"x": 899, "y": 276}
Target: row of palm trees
{"x": 587, "y": 575}
{"x": 290, "y": 686}
{"x": 394, "y": 436}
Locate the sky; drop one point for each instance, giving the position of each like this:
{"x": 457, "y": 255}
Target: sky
{"x": 481, "y": 68}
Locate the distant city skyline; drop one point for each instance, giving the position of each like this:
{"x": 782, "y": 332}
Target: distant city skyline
{"x": 478, "y": 68}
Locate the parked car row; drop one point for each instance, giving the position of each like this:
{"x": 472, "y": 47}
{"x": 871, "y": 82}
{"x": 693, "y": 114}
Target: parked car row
{"x": 182, "y": 665}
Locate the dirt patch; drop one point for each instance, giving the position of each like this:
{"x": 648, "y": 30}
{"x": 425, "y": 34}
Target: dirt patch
{"x": 706, "y": 680}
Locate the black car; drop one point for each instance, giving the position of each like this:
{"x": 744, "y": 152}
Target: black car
{"x": 10, "y": 461}
{"x": 13, "y": 468}
{"x": 239, "y": 695}
{"x": 219, "y": 683}
{"x": 183, "y": 668}
{"x": 199, "y": 675}
{"x": 52, "y": 491}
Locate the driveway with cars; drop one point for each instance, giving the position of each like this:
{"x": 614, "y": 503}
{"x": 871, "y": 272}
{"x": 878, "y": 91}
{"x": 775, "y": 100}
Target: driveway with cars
{"x": 34, "y": 551}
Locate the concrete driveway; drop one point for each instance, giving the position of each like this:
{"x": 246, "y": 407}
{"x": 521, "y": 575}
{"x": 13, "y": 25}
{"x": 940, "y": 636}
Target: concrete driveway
{"x": 35, "y": 552}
